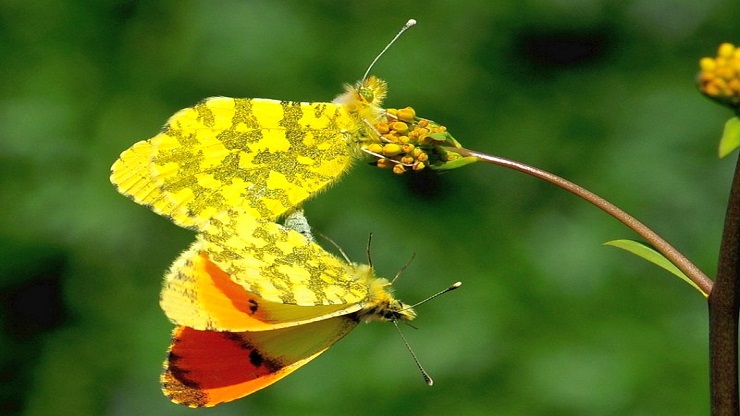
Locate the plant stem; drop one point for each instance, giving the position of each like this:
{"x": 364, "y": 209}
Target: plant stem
{"x": 723, "y": 312}
{"x": 675, "y": 257}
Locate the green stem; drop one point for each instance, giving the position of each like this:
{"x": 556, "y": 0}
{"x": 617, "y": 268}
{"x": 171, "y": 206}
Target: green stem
{"x": 723, "y": 312}
{"x": 673, "y": 255}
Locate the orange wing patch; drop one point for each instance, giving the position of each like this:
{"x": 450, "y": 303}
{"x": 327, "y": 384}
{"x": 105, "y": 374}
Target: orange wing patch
{"x": 198, "y": 294}
{"x": 205, "y": 368}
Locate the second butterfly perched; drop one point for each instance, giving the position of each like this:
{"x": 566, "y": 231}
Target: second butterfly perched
{"x": 265, "y": 157}
{"x": 254, "y": 301}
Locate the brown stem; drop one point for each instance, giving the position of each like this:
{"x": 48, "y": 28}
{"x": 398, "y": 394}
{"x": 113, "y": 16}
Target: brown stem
{"x": 675, "y": 257}
{"x": 723, "y": 312}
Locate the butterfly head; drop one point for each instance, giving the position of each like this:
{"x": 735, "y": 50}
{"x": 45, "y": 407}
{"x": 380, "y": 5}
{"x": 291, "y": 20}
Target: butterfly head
{"x": 380, "y": 304}
{"x": 386, "y": 308}
{"x": 371, "y": 90}
{"x": 397, "y": 311}
{"x": 364, "y": 98}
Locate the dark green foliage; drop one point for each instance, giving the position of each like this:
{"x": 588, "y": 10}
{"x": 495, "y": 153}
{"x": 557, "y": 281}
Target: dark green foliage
{"x": 548, "y": 322}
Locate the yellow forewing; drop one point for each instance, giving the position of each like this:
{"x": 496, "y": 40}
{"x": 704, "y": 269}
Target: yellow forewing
{"x": 198, "y": 294}
{"x": 281, "y": 265}
{"x": 263, "y": 157}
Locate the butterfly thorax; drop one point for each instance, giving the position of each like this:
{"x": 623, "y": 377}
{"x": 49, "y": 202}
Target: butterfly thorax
{"x": 380, "y": 305}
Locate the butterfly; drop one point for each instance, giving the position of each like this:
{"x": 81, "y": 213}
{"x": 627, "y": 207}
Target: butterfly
{"x": 253, "y": 301}
{"x": 266, "y": 157}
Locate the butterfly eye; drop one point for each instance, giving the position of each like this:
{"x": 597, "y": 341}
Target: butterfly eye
{"x": 366, "y": 94}
{"x": 391, "y": 315}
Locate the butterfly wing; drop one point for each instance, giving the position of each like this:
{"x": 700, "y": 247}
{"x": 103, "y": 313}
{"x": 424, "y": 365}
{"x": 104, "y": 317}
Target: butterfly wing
{"x": 205, "y": 368}
{"x": 263, "y": 157}
{"x": 279, "y": 264}
{"x": 198, "y": 294}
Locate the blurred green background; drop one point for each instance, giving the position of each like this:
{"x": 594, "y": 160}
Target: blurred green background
{"x": 548, "y": 322}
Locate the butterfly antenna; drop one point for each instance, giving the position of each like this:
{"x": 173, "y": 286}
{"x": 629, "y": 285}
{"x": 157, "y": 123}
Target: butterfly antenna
{"x": 449, "y": 289}
{"x": 424, "y": 374}
{"x": 369, "y": 256}
{"x": 413, "y": 255}
{"x": 408, "y": 24}
{"x": 325, "y": 237}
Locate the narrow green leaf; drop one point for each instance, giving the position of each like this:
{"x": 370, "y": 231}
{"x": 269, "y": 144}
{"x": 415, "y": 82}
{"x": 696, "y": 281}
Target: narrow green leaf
{"x": 454, "y": 164}
{"x": 649, "y": 254}
{"x": 730, "y": 137}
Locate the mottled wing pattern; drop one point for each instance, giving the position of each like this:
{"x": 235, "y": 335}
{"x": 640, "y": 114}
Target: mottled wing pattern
{"x": 198, "y": 294}
{"x": 261, "y": 156}
{"x": 205, "y": 368}
{"x": 280, "y": 264}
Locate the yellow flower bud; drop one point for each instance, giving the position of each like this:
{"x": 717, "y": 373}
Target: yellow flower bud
{"x": 391, "y": 149}
{"x": 375, "y": 148}
{"x": 406, "y": 114}
{"x": 400, "y": 127}
{"x": 719, "y": 77}
{"x": 383, "y": 163}
{"x": 726, "y": 50}
{"x": 382, "y": 128}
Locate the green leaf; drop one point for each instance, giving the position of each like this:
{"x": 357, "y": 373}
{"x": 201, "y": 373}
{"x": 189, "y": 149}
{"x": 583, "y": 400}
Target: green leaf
{"x": 444, "y": 139}
{"x": 649, "y": 254}
{"x": 454, "y": 164}
{"x": 441, "y": 138}
{"x": 730, "y": 137}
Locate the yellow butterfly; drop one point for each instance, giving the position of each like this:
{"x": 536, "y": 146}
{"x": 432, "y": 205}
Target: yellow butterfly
{"x": 253, "y": 302}
{"x": 265, "y": 157}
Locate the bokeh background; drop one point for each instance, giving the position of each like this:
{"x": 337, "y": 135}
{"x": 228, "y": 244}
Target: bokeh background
{"x": 548, "y": 322}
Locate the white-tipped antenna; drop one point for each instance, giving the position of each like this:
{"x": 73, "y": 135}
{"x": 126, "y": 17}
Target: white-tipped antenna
{"x": 408, "y": 24}
{"x": 449, "y": 289}
{"x": 424, "y": 374}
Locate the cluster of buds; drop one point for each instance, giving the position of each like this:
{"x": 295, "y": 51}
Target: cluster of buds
{"x": 719, "y": 77}
{"x": 409, "y": 143}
